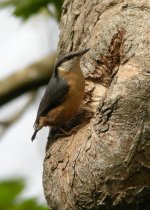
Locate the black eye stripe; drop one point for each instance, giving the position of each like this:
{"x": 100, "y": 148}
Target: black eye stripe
{"x": 68, "y": 57}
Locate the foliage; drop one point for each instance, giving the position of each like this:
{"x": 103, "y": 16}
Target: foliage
{"x": 9, "y": 193}
{"x": 26, "y": 8}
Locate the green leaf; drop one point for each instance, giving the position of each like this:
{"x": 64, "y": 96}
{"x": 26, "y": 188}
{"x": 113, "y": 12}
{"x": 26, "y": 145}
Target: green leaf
{"x": 30, "y": 204}
{"x": 26, "y": 8}
{"x": 9, "y": 190}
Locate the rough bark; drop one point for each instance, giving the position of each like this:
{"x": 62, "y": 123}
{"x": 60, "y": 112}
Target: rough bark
{"x": 105, "y": 165}
{"x": 27, "y": 79}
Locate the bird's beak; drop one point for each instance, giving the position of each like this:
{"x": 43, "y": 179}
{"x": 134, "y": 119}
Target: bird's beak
{"x": 82, "y": 52}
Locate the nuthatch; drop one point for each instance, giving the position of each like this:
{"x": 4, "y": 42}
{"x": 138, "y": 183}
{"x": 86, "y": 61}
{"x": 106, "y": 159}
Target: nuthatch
{"x": 64, "y": 93}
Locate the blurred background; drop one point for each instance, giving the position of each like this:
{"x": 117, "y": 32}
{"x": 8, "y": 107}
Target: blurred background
{"x": 29, "y": 32}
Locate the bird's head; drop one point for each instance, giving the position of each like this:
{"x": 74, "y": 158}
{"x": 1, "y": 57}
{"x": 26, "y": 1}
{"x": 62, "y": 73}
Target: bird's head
{"x": 70, "y": 60}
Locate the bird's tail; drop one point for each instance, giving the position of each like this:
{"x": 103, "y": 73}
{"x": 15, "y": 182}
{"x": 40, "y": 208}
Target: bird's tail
{"x": 34, "y": 135}
{"x": 37, "y": 128}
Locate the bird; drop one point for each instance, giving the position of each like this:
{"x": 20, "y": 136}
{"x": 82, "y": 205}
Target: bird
{"x": 64, "y": 93}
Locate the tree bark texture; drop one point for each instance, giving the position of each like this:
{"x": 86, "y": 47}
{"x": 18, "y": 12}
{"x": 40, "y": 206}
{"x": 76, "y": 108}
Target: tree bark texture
{"x": 105, "y": 164}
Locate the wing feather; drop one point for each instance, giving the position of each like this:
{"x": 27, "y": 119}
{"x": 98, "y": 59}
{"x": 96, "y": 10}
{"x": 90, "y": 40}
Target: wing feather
{"x": 54, "y": 95}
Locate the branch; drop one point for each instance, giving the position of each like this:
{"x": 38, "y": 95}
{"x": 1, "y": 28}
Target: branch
{"x": 27, "y": 79}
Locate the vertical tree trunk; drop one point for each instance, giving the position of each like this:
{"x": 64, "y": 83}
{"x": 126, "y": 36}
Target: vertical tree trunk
{"x": 105, "y": 165}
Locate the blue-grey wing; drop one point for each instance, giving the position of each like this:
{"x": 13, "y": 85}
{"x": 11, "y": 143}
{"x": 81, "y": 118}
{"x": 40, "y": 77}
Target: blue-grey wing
{"x": 54, "y": 95}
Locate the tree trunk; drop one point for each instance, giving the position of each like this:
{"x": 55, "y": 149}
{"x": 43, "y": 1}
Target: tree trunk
{"x": 105, "y": 165}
